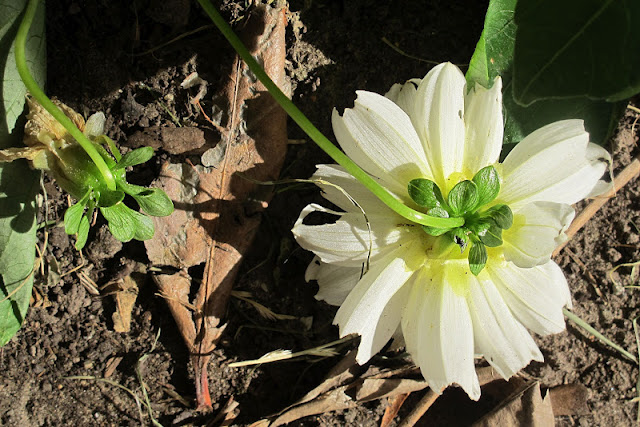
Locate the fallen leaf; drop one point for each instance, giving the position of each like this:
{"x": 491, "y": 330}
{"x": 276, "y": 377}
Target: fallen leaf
{"x": 526, "y": 407}
{"x": 218, "y": 203}
{"x": 125, "y": 298}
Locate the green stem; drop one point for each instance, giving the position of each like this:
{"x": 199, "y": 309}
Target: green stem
{"x": 584, "y": 325}
{"x": 317, "y": 136}
{"x": 39, "y": 95}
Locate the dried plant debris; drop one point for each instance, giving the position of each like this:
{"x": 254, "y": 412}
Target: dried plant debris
{"x": 216, "y": 216}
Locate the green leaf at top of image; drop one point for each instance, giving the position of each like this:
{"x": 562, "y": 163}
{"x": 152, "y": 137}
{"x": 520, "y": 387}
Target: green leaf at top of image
{"x": 575, "y": 48}
{"x": 494, "y": 51}
{"x": 494, "y": 56}
{"x": 18, "y": 183}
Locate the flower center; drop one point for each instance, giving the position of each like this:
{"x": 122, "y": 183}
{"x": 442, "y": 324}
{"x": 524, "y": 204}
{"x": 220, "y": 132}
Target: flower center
{"x": 483, "y": 225}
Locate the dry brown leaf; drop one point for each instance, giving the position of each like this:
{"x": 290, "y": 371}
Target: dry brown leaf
{"x": 125, "y": 298}
{"x": 569, "y": 399}
{"x": 216, "y": 217}
{"x": 373, "y": 388}
{"x": 335, "y": 400}
{"x": 527, "y": 407}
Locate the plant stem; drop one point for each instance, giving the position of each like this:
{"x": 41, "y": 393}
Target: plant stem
{"x": 584, "y": 325}
{"x": 39, "y": 95}
{"x": 317, "y": 136}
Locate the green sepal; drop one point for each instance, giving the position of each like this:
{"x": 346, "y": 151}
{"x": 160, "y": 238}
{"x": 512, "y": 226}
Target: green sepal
{"x": 488, "y": 184}
{"x": 74, "y": 214}
{"x": 493, "y": 236}
{"x": 463, "y": 198}
{"x": 83, "y": 233}
{"x": 501, "y": 214}
{"x": 435, "y": 231}
{"x": 122, "y": 222}
{"x": 460, "y": 237}
{"x": 153, "y": 201}
{"x": 425, "y": 193}
{"x": 135, "y": 157}
{"x": 477, "y": 258}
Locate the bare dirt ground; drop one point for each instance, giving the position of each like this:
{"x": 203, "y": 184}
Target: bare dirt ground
{"x": 123, "y": 58}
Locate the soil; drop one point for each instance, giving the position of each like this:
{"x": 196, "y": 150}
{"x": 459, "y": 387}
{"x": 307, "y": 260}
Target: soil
{"x": 128, "y": 59}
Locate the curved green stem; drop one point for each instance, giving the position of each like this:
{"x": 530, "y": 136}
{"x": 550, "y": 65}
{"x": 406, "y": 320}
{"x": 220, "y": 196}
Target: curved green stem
{"x": 39, "y": 95}
{"x": 317, "y": 136}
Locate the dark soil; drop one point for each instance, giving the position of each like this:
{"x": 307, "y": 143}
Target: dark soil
{"x": 121, "y": 58}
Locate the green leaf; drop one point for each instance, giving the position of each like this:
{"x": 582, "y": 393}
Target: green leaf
{"x": 600, "y": 117}
{"x": 122, "y": 221}
{"x": 488, "y": 184}
{"x": 425, "y": 193}
{"x": 144, "y": 226}
{"x": 83, "y": 233}
{"x": 18, "y": 183}
{"x": 434, "y": 231}
{"x": 477, "y": 258}
{"x": 575, "y": 48}
{"x": 108, "y": 198}
{"x": 495, "y": 51}
{"x": 463, "y": 198}
{"x": 135, "y": 157}
{"x": 74, "y": 214}
{"x": 501, "y": 215}
{"x": 153, "y": 201}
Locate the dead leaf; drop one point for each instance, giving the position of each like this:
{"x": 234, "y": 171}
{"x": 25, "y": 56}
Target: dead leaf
{"x": 526, "y": 407}
{"x": 125, "y": 298}
{"x": 373, "y": 389}
{"x": 335, "y": 400}
{"x": 217, "y": 211}
{"x": 569, "y": 399}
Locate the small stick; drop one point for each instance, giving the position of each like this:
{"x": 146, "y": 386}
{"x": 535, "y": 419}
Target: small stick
{"x": 421, "y": 408}
{"x": 630, "y": 172}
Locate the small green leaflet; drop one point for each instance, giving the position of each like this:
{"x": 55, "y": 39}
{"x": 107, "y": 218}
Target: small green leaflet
{"x": 135, "y": 157}
{"x": 477, "y": 258}
{"x": 463, "y": 198}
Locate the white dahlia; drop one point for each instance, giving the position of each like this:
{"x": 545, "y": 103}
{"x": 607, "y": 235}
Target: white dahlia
{"x": 452, "y": 293}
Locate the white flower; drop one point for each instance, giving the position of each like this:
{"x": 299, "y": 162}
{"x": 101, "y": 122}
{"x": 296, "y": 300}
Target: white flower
{"x": 388, "y": 274}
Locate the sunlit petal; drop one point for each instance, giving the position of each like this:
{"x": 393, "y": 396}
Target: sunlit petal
{"x": 439, "y": 120}
{"x": 537, "y": 230}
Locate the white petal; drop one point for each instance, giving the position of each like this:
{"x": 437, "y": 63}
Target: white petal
{"x": 374, "y": 306}
{"x": 534, "y": 295}
{"x": 349, "y": 241}
{"x": 484, "y": 127}
{"x": 95, "y": 125}
{"x": 334, "y": 282}
{"x": 405, "y": 95}
{"x": 438, "y": 331}
{"x": 439, "y": 120}
{"x": 342, "y": 180}
{"x": 380, "y": 138}
{"x": 538, "y": 228}
{"x": 499, "y": 337}
{"x": 555, "y": 163}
